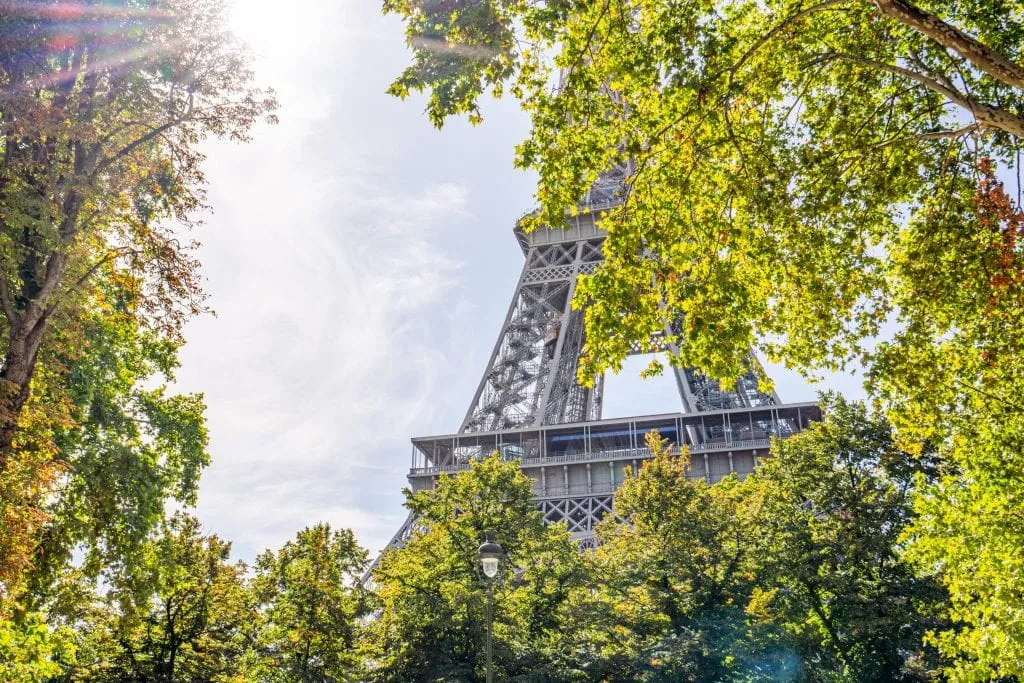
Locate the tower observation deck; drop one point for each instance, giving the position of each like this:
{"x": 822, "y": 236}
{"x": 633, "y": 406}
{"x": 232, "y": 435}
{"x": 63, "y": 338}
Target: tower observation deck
{"x": 530, "y": 408}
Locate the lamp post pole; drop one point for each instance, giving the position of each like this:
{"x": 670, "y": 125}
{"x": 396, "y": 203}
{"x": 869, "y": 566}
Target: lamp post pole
{"x": 490, "y": 631}
{"x": 490, "y": 556}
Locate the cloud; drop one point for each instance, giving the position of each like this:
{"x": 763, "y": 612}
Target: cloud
{"x": 276, "y": 504}
{"x": 329, "y": 350}
{"x": 337, "y": 334}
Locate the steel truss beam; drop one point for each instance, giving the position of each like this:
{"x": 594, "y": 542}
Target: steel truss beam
{"x": 531, "y": 376}
{"x": 581, "y": 515}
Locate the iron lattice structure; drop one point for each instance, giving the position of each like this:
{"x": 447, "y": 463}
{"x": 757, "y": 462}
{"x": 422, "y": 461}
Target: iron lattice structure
{"x": 530, "y": 407}
{"x": 531, "y": 376}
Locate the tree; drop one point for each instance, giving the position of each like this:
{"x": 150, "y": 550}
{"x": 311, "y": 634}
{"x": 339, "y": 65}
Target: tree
{"x": 431, "y": 622}
{"x": 966, "y": 390}
{"x": 185, "y": 619}
{"x": 311, "y": 602}
{"x": 122, "y": 448}
{"x": 772, "y": 147}
{"x": 798, "y": 178}
{"x": 831, "y": 506}
{"x": 127, "y": 447}
{"x": 103, "y": 105}
{"x": 672, "y": 576}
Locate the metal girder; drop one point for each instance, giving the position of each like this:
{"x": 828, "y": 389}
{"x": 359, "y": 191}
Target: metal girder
{"x": 531, "y": 376}
{"x": 581, "y": 515}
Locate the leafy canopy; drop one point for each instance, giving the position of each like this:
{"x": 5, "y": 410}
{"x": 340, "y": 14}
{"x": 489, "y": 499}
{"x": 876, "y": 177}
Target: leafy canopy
{"x": 185, "y": 616}
{"x": 432, "y": 621}
{"x": 103, "y": 105}
{"x": 801, "y": 177}
{"x": 670, "y": 581}
{"x": 831, "y": 506}
{"x": 795, "y": 573}
{"x": 310, "y": 601}
{"x": 776, "y": 151}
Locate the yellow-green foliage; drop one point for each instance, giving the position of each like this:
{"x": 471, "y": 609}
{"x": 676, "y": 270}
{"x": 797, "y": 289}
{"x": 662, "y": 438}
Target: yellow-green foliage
{"x": 805, "y": 176}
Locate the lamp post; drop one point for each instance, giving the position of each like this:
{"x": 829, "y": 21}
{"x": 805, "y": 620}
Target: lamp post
{"x": 490, "y": 556}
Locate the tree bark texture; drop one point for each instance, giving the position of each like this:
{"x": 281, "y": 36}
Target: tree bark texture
{"x": 950, "y": 37}
{"x": 19, "y": 365}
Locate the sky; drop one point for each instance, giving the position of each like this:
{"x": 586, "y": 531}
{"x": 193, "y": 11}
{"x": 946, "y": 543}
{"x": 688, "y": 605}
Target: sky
{"x": 360, "y": 263}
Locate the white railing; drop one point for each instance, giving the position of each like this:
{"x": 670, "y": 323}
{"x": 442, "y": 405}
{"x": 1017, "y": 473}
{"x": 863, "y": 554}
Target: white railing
{"x": 615, "y": 454}
{"x": 731, "y": 445}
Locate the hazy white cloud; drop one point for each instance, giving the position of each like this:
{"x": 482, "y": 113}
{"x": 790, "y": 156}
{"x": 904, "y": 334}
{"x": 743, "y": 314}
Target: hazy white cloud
{"x": 323, "y": 340}
{"x": 326, "y": 263}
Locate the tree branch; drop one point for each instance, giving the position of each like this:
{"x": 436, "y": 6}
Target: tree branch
{"x": 990, "y": 116}
{"x": 935, "y": 135}
{"x": 826, "y": 621}
{"x": 586, "y": 46}
{"x": 132, "y": 146}
{"x": 57, "y": 300}
{"x": 778, "y": 28}
{"x": 986, "y": 394}
{"x": 151, "y": 135}
{"x": 950, "y": 37}
{"x": 947, "y": 134}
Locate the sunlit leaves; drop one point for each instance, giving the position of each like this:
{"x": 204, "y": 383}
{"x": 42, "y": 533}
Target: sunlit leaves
{"x": 670, "y": 582}
{"x": 806, "y": 178}
{"x": 184, "y": 616}
{"x": 103, "y": 108}
{"x": 431, "y": 625}
{"x": 311, "y": 603}
{"x": 833, "y": 502}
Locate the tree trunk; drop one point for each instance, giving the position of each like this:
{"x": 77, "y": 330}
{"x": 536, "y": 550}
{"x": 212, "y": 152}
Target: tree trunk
{"x": 28, "y": 326}
{"x": 16, "y": 375}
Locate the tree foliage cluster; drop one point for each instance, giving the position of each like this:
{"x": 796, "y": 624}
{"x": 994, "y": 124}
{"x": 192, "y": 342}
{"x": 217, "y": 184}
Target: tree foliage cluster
{"x": 794, "y": 574}
{"x": 819, "y": 180}
{"x": 103, "y": 106}
{"x": 193, "y": 615}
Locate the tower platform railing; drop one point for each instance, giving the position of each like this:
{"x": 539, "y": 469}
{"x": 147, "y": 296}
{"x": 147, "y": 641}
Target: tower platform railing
{"x": 614, "y": 439}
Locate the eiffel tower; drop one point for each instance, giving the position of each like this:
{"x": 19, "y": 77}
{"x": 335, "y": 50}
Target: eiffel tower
{"x": 530, "y": 408}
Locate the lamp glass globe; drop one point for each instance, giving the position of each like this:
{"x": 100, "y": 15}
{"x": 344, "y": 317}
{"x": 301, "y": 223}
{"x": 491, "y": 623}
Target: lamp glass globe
{"x": 490, "y": 566}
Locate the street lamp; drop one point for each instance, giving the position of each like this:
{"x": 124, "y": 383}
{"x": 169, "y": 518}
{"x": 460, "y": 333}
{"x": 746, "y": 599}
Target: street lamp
{"x": 490, "y": 556}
